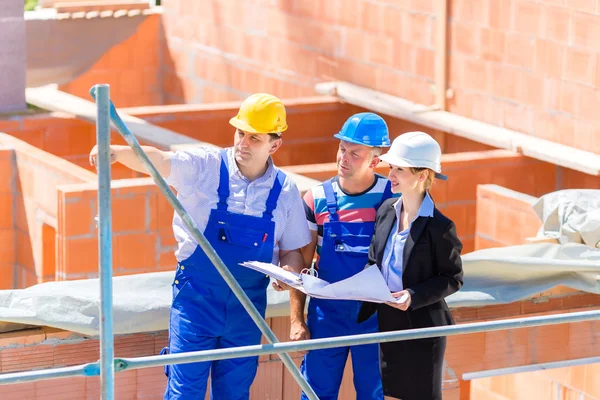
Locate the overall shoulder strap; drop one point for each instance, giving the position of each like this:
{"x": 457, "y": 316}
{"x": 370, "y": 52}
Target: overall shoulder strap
{"x": 331, "y": 199}
{"x": 223, "y": 189}
{"x": 274, "y": 194}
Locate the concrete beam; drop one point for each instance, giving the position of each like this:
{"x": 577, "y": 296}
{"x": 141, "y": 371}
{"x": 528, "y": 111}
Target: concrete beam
{"x": 49, "y": 98}
{"x": 540, "y": 149}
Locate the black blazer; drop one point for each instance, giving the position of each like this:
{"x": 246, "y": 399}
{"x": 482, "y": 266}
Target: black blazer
{"x": 431, "y": 268}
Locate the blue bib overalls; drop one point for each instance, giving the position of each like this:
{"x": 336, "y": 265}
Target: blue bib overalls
{"x": 344, "y": 253}
{"x": 205, "y": 313}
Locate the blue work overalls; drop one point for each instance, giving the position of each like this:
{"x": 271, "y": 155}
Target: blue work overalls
{"x": 205, "y": 313}
{"x": 344, "y": 253}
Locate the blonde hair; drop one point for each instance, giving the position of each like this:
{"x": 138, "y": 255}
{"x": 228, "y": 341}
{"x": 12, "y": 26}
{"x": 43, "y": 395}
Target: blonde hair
{"x": 429, "y": 180}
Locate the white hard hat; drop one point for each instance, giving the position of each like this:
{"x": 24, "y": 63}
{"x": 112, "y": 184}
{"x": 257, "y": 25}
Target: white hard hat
{"x": 417, "y": 150}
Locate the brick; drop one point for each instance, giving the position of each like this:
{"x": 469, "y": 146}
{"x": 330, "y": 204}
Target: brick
{"x": 580, "y": 66}
{"x": 424, "y": 6}
{"x": 137, "y": 345}
{"x": 492, "y": 44}
{"x": 569, "y": 97}
{"x": 57, "y": 389}
{"x": 27, "y": 358}
{"x": 7, "y": 220}
{"x": 18, "y": 391}
{"x": 425, "y": 63}
{"x": 532, "y": 90}
{"x": 8, "y": 125}
{"x": 135, "y": 252}
{"x": 81, "y": 256}
{"x": 77, "y": 218}
{"x": 416, "y": 29}
{"x": 518, "y": 117}
{"x": 355, "y": 45}
{"x": 464, "y": 38}
{"x": 130, "y": 214}
{"x": 551, "y": 93}
{"x": 519, "y": 50}
{"x": 506, "y": 348}
{"x": 499, "y": 14}
{"x": 589, "y": 101}
{"x": 485, "y": 215}
{"x": 76, "y": 353}
{"x": 24, "y": 250}
{"x": 556, "y": 23}
{"x": 591, "y": 130}
{"x": 348, "y": 12}
{"x": 459, "y": 214}
{"x": 404, "y": 57}
{"x": 528, "y": 17}
{"x": 7, "y": 250}
{"x": 549, "y": 343}
{"x": 34, "y": 137}
{"x": 506, "y": 81}
{"x": 586, "y": 30}
{"x": 7, "y": 277}
{"x": 552, "y": 127}
{"x": 379, "y": 50}
{"x": 467, "y": 11}
{"x": 372, "y": 18}
{"x": 588, "y": 6}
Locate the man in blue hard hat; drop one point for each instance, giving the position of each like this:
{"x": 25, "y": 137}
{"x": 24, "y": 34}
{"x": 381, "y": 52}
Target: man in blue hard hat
{"x": 341, "y": 215}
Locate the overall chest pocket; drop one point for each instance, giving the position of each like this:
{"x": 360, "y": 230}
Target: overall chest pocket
{"x": 357, "y": 244}
{"x": 249, "y": 238}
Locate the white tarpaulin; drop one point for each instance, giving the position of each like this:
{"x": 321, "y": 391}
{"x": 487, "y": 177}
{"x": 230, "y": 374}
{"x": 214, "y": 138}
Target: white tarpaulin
{"x": 141, "y": 302}
{"x": 571, "y": 216}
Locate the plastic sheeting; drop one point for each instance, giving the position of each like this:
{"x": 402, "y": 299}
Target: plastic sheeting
{"x": 570, "y": 216}
{"x": 141, "y": 302}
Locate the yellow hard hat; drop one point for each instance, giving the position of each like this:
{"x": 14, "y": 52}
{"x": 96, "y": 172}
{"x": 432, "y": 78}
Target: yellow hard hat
{"x": 261, "y": 113}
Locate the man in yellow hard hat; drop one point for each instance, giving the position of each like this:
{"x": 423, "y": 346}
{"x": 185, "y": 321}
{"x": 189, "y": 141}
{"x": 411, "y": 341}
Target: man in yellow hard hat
{"x": 248, "y": 211}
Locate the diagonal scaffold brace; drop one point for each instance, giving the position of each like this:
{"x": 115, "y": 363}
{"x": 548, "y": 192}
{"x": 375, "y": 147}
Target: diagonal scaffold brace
{"x": 204, "y": 244}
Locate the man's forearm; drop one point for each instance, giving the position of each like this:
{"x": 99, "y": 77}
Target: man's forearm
{"x": 126, "y": 156}
{"x": 297, "y": 304}
{"x": 294, "y": 261}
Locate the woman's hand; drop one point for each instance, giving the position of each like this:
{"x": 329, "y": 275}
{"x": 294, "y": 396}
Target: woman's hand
{"x": 403, "y": 295}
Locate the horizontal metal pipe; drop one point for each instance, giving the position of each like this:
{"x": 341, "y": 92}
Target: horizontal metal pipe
{"x": 92, "y": 369}
{"x": 353, "y": 340}
{"x": 122, "y": 364}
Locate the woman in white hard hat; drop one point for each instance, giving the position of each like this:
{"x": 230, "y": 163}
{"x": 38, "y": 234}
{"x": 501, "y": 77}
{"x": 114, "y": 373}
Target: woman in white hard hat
{"x": 418, "y": 252}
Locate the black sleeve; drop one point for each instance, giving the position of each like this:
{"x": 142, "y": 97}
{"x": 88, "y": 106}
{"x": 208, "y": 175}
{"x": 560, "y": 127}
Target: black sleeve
{"x": 449, "y": 267}
{"x": 367, "y": 309}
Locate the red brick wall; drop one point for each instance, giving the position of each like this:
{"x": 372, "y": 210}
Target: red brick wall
{"x": 504, "y": 217}
{"x": 8, "y": 254}
{"x": 35, "y": 177}
{"x": 132, "y": 68}
{"x": 528, "y": 66}
{"x": 141, "y": 224}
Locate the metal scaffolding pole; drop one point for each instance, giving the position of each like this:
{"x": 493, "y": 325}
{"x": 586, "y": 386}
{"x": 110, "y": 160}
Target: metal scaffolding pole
{"x": 207, "y": 247}
{"x": 107, "y": 371}
{"x": 304, "y": 345}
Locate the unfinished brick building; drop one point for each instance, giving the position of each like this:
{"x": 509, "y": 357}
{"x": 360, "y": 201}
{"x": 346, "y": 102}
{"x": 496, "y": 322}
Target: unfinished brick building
{"x": 509, "y": 88}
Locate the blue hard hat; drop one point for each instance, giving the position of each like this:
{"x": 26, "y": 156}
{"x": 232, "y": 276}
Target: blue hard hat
{"x": 365, "y": 128}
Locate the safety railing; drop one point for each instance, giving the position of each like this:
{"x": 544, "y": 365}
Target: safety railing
{"x": 107, "y": 366}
